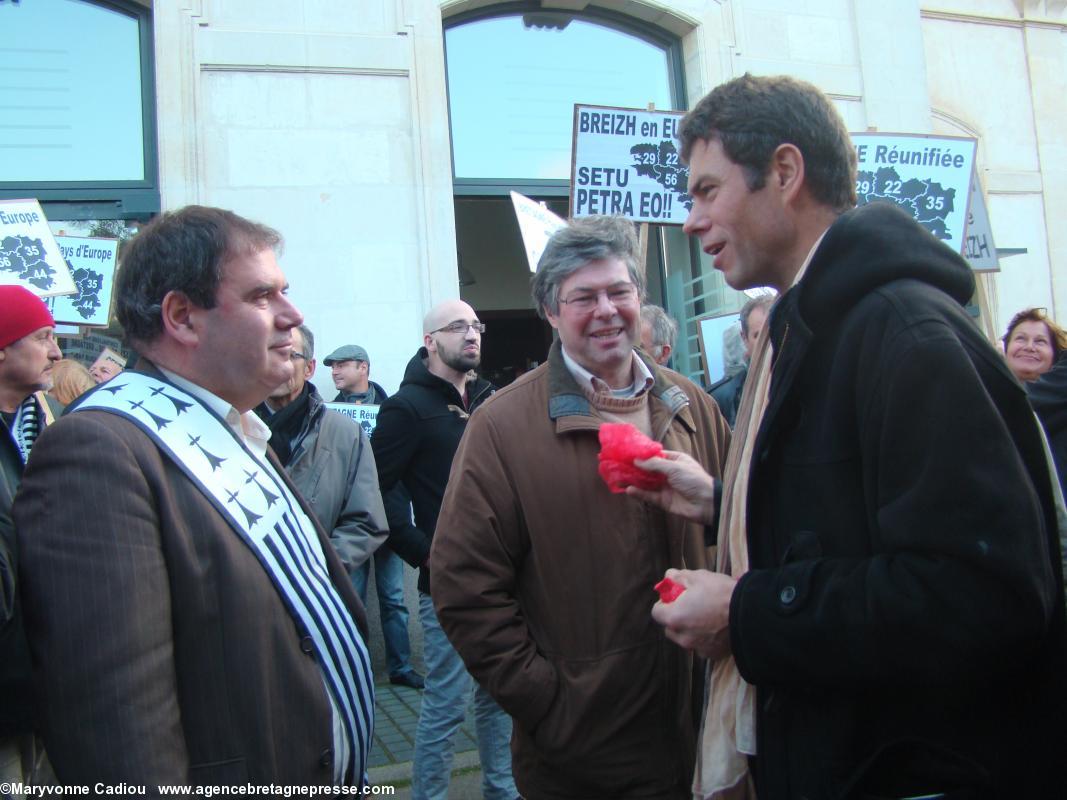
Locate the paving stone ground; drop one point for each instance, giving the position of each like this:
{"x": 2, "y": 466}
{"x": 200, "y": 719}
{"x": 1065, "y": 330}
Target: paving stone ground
{"x": 396, "y": 714}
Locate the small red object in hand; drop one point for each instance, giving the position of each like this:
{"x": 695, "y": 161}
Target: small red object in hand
{"x": 669, "y": 591}
{"x": 620, "y": 444}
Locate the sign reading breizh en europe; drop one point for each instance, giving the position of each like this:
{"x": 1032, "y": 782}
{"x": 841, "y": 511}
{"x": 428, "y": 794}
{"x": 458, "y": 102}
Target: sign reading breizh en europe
{"x": 625, "y": 161}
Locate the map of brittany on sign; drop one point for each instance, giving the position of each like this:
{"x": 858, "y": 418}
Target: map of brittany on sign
{"x": 24, "y": 258}
{"x": 928, "y": 201}
{"x": 87, "y": 299}
{"x": 662, "y": 163}
{"x": 29, "y": 255}
{"x": 92, "y": 266}
{"x": 927, "y": 176}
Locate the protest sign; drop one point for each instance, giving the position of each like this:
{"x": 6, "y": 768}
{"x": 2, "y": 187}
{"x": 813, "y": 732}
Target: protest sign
{"x": 366, "y": 416}
{"x": 92, "y": 268}
{"x": 625, "y": 161}
{"x": 536, "y": 224}
{"x": 927, "y": 176}
{"x": 29, "y": 255}
{"x": 979, "y": 250}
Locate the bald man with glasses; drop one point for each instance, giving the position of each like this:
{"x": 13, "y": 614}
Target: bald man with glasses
{"x": 418, "y": 431}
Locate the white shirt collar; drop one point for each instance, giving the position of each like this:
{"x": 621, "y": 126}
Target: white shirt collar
{"x": 643, "y": 379}
{"x": 249, "y": 428}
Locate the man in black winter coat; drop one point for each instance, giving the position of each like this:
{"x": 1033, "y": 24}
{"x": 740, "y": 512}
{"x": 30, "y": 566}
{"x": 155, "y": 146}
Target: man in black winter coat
{"x": 416, "y": 436}
{"x": 888, "y": 615}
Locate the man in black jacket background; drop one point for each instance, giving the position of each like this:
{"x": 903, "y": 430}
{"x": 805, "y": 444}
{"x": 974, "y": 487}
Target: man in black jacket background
{"x": 416, "y": 436}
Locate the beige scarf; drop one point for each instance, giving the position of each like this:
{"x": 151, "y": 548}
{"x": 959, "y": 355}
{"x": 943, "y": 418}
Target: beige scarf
{"x": 728, "y": 732}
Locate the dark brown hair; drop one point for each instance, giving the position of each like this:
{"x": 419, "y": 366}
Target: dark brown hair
{"x": 751, "y": 116}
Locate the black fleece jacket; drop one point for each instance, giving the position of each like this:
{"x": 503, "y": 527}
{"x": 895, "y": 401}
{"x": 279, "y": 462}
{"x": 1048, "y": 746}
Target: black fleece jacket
{"x": 903, "y": 615}
{"x": 414, "y": 440}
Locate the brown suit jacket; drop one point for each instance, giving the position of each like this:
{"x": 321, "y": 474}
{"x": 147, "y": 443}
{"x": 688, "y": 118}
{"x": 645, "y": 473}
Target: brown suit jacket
{"x": 163, "y": 653}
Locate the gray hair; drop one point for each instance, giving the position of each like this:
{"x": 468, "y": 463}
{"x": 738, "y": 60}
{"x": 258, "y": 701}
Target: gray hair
{"x": 764, "y": 301}
{"x": 309, "y": 342}
{"x": 581, "y": 241}
{"x": 664, "y": 328}
{"x": 183, "y": 251}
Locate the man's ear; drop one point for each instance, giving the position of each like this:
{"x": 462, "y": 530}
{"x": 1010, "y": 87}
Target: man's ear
{"x": 553, "y": 319}
{"x": 428, "y": 343}
{"x": 177, "y": 315}
{"x": 665, "y": 352}
{"x": 309, "y": 366}
{"x": 787, "y": 169}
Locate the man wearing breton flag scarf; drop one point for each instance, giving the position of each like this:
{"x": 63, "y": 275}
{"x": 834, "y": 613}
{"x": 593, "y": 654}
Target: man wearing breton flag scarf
{"x": 188, "y": 620}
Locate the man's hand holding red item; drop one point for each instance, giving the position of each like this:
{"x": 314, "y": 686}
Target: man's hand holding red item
{"x": 699, "y": 618}
{"x": 688, "y": 490}
{"x": 668, "y": 590}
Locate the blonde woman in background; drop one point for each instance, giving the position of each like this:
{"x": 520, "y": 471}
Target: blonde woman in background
{"x": 70, "y": 380}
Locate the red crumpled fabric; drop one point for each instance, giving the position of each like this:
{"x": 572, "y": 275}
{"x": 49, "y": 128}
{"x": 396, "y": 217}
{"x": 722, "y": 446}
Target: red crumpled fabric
{"x": 669, "y": 591}
{"x": 620, "y": 444}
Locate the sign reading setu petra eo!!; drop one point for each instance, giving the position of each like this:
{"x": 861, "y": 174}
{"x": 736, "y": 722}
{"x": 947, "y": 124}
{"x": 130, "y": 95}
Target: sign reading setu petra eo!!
{"x": 625, "y": 161}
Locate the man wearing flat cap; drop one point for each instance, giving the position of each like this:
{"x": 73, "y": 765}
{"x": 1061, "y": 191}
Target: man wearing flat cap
{"x": 27, "y": 352}
{"x": 350, "y": 366}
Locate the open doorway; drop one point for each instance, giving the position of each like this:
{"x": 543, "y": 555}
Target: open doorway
{"x": 495, "y": 280}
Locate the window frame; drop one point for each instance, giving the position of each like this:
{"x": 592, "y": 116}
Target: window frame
{"x": 542, "y": 187}
{"x": 133, "y": 200}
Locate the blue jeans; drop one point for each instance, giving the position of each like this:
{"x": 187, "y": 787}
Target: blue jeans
{"x": 444, "y": 706}
{"x": 389, "y": 582}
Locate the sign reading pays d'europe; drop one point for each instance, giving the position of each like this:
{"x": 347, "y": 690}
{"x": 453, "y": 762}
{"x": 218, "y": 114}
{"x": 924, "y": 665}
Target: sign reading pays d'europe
{"x": 625, "y": 161}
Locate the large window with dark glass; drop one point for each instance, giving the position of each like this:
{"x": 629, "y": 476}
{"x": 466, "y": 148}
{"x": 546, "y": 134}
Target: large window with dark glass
{"x": 77, "y": 109}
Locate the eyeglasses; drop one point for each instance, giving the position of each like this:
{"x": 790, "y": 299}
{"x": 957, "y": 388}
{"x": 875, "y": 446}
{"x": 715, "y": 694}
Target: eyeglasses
{"x": 295, "y": 356}
{"x": 619, "y": 296}
{"x": 459, "y": 326}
